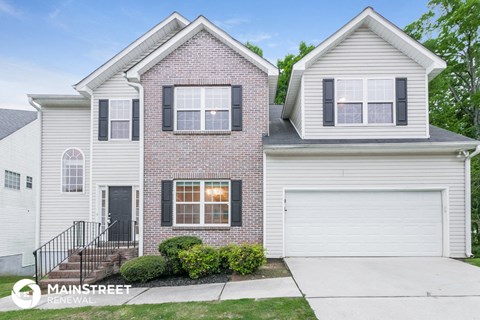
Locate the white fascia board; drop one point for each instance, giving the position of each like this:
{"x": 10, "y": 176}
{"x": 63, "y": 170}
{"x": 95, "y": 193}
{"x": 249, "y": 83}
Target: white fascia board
{"x": 201, "y": 23}
{"x": 81, "y": 86}
{"x": 370, "y": 148}
{"x": 53, "y": 100}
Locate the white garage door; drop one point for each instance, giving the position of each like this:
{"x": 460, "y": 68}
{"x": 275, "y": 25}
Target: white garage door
{"x": 363, "y": 223}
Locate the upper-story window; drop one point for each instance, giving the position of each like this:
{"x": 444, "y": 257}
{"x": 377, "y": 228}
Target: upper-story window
{"x": 120, "y": 117}
{"x": 72, "y": 170}
{"x": 12, "y": 180}
{"x": 364, "y": 101}
{"x": 202, "y": 108}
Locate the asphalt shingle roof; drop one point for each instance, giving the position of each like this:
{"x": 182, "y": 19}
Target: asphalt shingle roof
{"x": 282, "y": 132}
{"x": 12, "y": 120}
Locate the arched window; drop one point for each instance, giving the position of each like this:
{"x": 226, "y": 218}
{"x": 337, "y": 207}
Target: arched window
{"x": 72, "y": 170}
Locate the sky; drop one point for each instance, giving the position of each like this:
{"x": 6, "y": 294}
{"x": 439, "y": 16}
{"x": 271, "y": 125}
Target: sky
{"x": 49, "y": 45}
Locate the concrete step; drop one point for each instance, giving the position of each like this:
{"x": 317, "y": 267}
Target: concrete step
{"x": 93, "y": 257}
{"x": 68, "y": 274}
{"x": 76, "y": 265}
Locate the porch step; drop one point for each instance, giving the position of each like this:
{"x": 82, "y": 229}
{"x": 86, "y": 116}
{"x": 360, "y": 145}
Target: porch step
{"x": 76, "y": 265}
{"x": 92, "y": 257}
{"x": 64, "y": 282}
{"x": 67, "y": 274}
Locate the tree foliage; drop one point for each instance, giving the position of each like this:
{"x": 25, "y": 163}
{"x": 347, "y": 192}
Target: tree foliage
{"x": 285, "y": 66}
{"x": 451, "y": 29}
{"x": 254, "y": 48}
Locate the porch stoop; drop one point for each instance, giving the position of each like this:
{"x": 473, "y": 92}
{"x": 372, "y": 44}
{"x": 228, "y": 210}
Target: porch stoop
{"x": 68, "y": 272}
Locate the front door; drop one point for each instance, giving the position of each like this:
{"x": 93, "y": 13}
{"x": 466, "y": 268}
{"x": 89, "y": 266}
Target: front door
{"x": 120, "y": 210}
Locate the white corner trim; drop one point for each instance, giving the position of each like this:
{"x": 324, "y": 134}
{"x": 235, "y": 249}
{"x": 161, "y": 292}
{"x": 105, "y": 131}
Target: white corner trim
{"x": 264, "y": 200}
{"x": 38, "y": 190}
{"x": 302, "y": 106}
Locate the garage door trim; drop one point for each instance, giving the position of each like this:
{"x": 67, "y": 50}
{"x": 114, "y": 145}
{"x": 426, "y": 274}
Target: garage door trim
{"x": 445, "y": 205}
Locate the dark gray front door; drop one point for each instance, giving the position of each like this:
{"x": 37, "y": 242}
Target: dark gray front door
{"x": 120, "y": 209}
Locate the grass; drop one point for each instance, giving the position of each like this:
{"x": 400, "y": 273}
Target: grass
{"x": 474, "y": 261}
{"x": 278, "y": 308}
{"x": 7, "y": 282}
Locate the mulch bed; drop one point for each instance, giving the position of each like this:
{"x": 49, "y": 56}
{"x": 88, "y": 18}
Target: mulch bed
{"x": 273, "y": 269}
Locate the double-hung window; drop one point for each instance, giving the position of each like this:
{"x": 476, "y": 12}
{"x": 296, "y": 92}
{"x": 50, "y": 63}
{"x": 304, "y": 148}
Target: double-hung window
{"x": 120, "y": 117}
{"x": 202, "y": 202}
{"x": 365, "y": 101}
{"x": 202, "y": 108}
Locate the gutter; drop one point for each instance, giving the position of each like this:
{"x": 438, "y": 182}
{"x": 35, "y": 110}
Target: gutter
{"x": 39, "y": 172}
{"x": 139, "y": 87}
{"x": 468, "y": 202}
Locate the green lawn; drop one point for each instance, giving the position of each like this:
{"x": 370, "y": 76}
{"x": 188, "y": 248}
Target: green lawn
{"x": 6, "y": 284}
{"x": 279, "y": 308}
{"x": 474, "y": 261}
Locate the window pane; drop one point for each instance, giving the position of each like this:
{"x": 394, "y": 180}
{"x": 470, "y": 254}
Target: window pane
{"x": 349, "y": 90}
{"x": 187, "y": 214}
{"x": 217, "y": 98}
{"x": 349, "y": 113}
{"x": 380, "y": 113}
{"x": 216, "y": 192}
{"x": 72, "y": 169}
{"x": 216, "y": 213}
{"x": 188, "y": 191}
{"x": 380, "y": 90}
{"x": 188, "y": 120}
{"x": 120, "y": 109}
{"x": 217, "y": 120}
{"x": 120, "y": 129}
{"x": 188, "y": 98}
{"x": 12, "y": 180}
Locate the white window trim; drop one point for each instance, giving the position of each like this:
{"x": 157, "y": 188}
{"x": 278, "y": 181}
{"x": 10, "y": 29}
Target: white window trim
{"x": 129, "y": 120}
{"x": 202, "y": 205}
{"x": 61, "y": 172}
{"x": 202, "y": 109}
{"x": 26, "y": 182}
{"x": 365, "y": 102}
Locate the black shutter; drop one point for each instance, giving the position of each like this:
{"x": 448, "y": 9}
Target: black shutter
{"x": 103, "y": 120}
{"x": 167, "y": 202}
{"x": 135, "y": 119}
{"x": 167, "y": 106}
{"x": 401, "y": 101}
{"x": 236, "y": 108}
{"x": 328, "y": 102}
{"x": 236, "y": 203}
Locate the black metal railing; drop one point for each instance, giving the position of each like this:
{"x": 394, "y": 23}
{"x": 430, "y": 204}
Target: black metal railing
{"x": 117, "y": 234}
{"x": 57, "y": 250}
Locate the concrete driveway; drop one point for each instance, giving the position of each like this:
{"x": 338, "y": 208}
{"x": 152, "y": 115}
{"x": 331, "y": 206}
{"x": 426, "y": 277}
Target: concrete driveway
{"x": 388, "y": 288}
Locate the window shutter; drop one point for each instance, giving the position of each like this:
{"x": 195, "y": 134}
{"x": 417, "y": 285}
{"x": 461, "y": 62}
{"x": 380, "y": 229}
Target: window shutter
{"x": 401, "y": 101}
{"x": 328, "y": 102}
{"x": 236, "y": 108}
{"x": 135, "y": 119}
{"x": 103, "y": 120}
{"x": 167, "y": 106}
{"x": 167, "y": 202}
{"x": 236, "y": 203}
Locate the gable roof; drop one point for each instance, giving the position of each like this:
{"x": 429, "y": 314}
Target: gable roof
{"x": 138, "y": 49}
{"x": 199, "y": 24}
{"x": 432, "y": 63}
{"x": 13, "y": 120}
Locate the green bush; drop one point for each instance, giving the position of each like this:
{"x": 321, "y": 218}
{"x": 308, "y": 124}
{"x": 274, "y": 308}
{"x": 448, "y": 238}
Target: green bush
{"x": 170, "y": 248}
{"x": 200, "y": 261}
{"x": 224, "y": 253}
{"x": 246, "y": 258}
{"x": 143, "y": 269}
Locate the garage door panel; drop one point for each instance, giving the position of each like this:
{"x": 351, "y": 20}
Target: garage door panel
{"x": 363, "y": 223}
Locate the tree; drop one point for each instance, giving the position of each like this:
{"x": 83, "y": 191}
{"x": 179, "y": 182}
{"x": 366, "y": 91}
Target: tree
{"x": 285, "y": 66}
{"x": 451, "y": 29}
{"x": 254, "y": 48}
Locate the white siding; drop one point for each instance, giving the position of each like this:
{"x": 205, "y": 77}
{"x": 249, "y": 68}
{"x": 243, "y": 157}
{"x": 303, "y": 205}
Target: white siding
{"x": 296, "y": 115}
{"x": 114, "y": 162}
{"x": 365, "y": 54}
{"x": 62, "y": 128}
{"x": 357, "y": 172}
{"x": 19, "y": 153}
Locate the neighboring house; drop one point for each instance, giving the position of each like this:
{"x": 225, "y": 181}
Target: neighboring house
{"x": 18, "y": 190}
{"x": 353, "y": 168}
{"x": 176, "y": 133}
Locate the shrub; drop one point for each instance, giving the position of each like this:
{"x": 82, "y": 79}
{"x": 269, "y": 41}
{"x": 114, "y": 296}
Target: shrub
{"x": 170, "y": 248}
{"x": 246, "y": 258}
{"x": 200, "y": 261}
{"x": 224, "y": 253}
{"x": 143, "y": 269}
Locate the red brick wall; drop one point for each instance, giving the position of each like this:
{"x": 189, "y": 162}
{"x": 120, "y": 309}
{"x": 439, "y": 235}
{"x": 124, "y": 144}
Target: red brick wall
{"x": 204, "y": 60}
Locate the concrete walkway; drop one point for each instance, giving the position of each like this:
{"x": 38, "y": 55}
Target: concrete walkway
{"x": 253, "y": 289}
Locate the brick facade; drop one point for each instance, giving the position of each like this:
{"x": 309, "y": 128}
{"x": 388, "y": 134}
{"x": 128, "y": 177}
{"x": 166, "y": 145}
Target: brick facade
{"x": 204, "y": 60}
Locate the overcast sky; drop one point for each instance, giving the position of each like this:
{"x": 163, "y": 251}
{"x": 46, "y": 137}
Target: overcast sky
{"x": 47, "y": 45}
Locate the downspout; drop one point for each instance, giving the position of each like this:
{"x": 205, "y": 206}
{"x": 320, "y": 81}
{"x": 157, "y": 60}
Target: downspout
{"x": 39, "y": 172}
{"x": 468, "y": 202}
{"x": 139, "y": 87}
